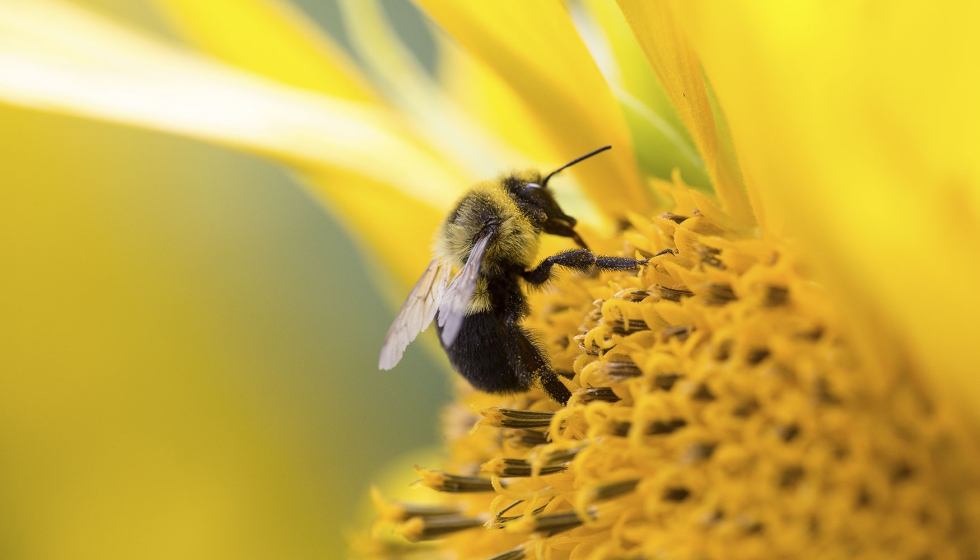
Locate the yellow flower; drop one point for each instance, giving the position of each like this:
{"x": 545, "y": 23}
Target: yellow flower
{"x": 796, "y": 378}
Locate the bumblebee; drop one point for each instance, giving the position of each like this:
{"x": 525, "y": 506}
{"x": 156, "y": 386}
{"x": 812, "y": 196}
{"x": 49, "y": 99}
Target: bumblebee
{"x": 492, "y": 238}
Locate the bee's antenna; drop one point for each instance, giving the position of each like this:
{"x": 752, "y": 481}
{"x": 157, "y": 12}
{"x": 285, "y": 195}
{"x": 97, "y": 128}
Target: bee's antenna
{"x": 573, "y": 162}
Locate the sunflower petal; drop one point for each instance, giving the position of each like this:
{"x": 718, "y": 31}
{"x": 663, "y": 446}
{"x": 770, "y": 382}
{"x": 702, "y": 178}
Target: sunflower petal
{"x": 677, "y": 67}
{"x": 447, "y": 128}
{"x": 535, "y": 47}
{"x": 662, "y": 141}
{"x": 861, "y": 123}
{"x": 56, "y": 57}
{"x": 490, "y": 101}
{"x": 270, "y": 38}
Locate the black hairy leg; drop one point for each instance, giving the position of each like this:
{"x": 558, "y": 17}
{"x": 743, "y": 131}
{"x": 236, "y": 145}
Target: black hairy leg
{"x": 554, "y": 387}
{"x": 582, "y": 260}
{"x": 530, "y": 361}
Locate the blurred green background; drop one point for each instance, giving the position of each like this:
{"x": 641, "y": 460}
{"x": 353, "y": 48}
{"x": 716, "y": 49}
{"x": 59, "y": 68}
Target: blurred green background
{"x": 188, "y": 347}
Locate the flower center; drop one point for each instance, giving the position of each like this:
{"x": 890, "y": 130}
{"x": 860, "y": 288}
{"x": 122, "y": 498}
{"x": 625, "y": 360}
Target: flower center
{"x": 718, "y": 410}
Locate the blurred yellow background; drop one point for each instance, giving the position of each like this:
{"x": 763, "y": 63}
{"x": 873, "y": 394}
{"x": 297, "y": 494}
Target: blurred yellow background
{"x": 188, "y": 350}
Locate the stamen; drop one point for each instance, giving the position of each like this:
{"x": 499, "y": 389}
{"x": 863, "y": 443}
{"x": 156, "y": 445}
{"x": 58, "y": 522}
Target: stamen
{"x": 666, "y": 381}
{"x": 529, "y": 438}
{"x": 787, "y": 432}
{"x": 562, "y": 455}
{"x": 756, "y": 355}
{"x": 673, "y": 294}
{"x": 698, "y": 452}
{"x": 611, "y": 490}
{"x": 680, "y": 332}
{"x": 619, "y": 368}
{"x": 428, "y": 528}
{"x": 676, "y": 218}
{"x": 620, "y": 429}
{"x": 776, "y": 296}
{"x": 720, "y": 294}
{"x": 453, "y": 483}
{"x": 604, "y": 394}
{"x": 548, "y": 464}
{"x": 506, "y": 467}
{"x": 636, "y": 296}
{"x": 556, "y": 523}
{"x": 790, "y": 476}
{"x": 625, "y": 327}
{"x": 512, "y": 418}
{"x": 659, "y": 427}
{"x": 401, "y": 511}
{"x": 676, "y": 494}
{"x": 500, "y": 520}
{"x": 709, "y": 256}
{"x": 702, "y": 393}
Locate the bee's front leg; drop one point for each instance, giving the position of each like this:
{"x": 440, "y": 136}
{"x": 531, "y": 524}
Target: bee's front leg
{"x": 577, "y": 259}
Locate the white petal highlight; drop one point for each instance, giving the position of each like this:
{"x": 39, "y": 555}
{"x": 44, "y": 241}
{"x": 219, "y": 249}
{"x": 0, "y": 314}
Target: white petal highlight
{"x": 59, "y": 58}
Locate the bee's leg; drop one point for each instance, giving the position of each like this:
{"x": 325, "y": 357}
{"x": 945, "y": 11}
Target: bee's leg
{"x": 554, "y": 387}
{"x": 578, "y": 259}
{"x": 529, "y": 362}
{"x": 618, "y": 263}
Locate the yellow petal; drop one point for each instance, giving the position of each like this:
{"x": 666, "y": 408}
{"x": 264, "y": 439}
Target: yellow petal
{"x": 662, "y": 141}
{"x": 491, "y": 104}
{"x": 535, "y": 47}
{"x": 438, "y": 120}
{"x": 861, "y": 123}
{"x": 679, "y": 71}
{"x": 270, "y": 38}
{"x": 490, "y": 101}
{"x": 130, "y": 309}
{"x": 55, "y": 57}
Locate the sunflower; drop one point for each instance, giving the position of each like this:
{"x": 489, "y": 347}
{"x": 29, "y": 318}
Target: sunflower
{"x": 776, "y": 383}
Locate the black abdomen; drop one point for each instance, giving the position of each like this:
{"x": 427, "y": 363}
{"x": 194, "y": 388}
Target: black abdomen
{"x": 497, "y": 356}
{"x": 493, "y": 356}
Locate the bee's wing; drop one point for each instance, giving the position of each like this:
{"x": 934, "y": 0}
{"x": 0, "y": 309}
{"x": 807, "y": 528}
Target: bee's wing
{"x": 416, "y": 313}
{"x": 460, "y": 291}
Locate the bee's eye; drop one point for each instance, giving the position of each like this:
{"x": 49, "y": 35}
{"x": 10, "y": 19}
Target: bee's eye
{"x": 530, "y": 189}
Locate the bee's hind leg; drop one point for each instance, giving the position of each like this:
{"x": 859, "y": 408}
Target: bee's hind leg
{"x": 530, "y": 363}
{"x": 553, "y": 386}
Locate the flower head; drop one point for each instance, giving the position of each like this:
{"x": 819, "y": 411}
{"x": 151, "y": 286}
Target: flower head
{"x": 792, "y": 374}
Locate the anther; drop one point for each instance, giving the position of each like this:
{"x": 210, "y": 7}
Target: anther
{"x": 611, "y": 490}
{"x": 513, "y": 418}
{"x": 518, "y": 468}
{"x": 604, "y": 394}
{"x": 453, "y": 483}
{"x": 664, "y": 427}
{"x": 776, "y": 296}
{"x": 720, "y": 294}
{"x": 666, "y": 381}
{"x": 619, "y": 368}
{"x": 632, "y": 325}
{"x": 673, "y": 294}
{"x": 680, "y": 332}
{"x": 556, "y": 522}
{"x": 428, "y": 528}
{"x": 676, "y": 494}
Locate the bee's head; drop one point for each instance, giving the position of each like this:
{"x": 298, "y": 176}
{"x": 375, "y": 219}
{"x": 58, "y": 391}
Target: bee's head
{"x": 539, "y": 205}
{"x": 532, "y": 195}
